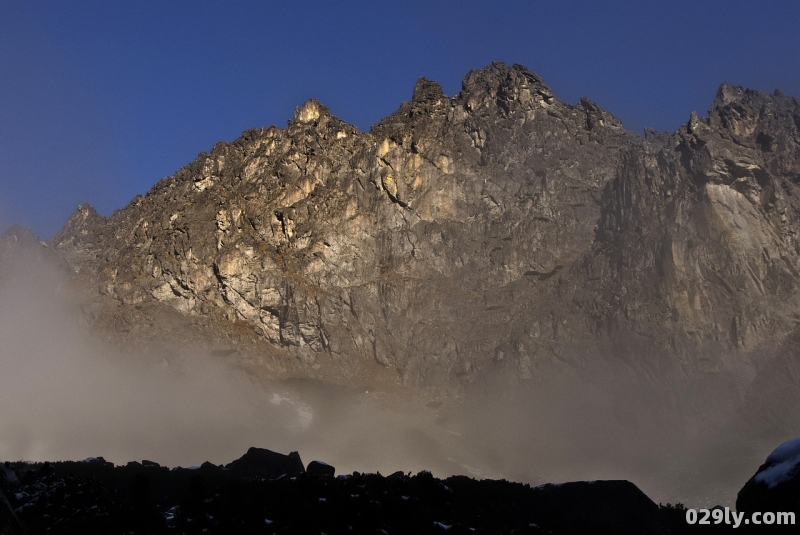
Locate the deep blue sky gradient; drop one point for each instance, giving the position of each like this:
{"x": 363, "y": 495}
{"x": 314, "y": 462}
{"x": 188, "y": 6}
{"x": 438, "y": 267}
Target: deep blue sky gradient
{"x": 99, "y": 100}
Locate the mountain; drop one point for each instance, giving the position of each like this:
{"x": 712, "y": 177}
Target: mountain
{"x": 498, "y": 237}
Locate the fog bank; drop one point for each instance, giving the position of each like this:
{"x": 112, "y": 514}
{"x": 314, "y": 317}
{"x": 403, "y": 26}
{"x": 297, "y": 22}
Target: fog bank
{"x": 65, "y": 395}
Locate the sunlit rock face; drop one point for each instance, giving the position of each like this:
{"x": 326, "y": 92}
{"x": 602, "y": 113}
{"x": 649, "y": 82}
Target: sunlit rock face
{"x": 498, "y": 234}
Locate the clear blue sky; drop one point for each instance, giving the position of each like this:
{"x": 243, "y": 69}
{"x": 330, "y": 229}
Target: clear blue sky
{"x": 99, "y": 100}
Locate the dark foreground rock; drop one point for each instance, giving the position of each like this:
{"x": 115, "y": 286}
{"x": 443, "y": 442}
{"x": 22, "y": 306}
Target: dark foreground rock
{"x": 96, "y": 497}
{"x": 8, "y": 479}
{"x": 258, "y": 462}
{"x": 586, "y": 505}
{"x": 9, "y": 524}
{"x": 318, "y": 468}
{"x": 775, "y": 487}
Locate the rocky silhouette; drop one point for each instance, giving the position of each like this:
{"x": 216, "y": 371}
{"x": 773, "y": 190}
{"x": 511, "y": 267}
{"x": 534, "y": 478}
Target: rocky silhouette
{"x": 93, "y": 496}
{"x": 268, "y": 492}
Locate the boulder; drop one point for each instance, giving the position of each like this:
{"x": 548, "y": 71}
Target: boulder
{"x": 319, "y": 468}
{"x": 259, "y": 462}
{"x": 776, "y": 484}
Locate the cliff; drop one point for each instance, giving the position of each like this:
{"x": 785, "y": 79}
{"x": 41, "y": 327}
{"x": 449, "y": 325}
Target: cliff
{"x": 499, "y": 235}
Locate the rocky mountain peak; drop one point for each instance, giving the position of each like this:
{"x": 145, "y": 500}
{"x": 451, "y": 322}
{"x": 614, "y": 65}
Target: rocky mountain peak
{"x": 726, "y": 94}
{"x": 427, "y": 90}
{"x": 505, "y": 87}
{"x": 311, "y": 112}
{"x": 746, "y": 112}
{"x": 18, "y": 236}
{"x": 499, "y": 74}
{"x": 75, "y": 237}
{"x": 80, "y": 223}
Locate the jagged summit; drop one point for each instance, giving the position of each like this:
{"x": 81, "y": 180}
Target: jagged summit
{"x": 84, "y": 213}
{"x": 498, "y": 74}
{"x": 311, "y": 112}
{"x": 728, "y": 93}
{"x": 427, "y": 90}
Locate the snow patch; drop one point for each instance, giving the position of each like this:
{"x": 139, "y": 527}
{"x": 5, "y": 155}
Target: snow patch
{"x": 788, "y": 450}
{"x": 784, "y": 461}
{"x": 545, "y": 485}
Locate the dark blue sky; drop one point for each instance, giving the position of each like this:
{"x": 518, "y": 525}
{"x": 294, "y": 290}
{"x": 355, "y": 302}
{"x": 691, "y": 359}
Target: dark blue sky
{"x": 99, "y": 100}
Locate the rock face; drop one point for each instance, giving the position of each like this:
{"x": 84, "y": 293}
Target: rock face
{"x": 500, "y": 232}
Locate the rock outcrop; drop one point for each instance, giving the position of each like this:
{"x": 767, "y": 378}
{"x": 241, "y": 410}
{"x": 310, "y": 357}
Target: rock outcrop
{"x": 319, "y": 468}
{"x": 260, "y": 462}
{"x": 498, "y": 233}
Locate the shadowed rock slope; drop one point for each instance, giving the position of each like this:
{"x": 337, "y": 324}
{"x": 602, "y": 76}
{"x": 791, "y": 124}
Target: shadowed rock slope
{"x": 500, "y": 233}
{"x": 94, "y": 496}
